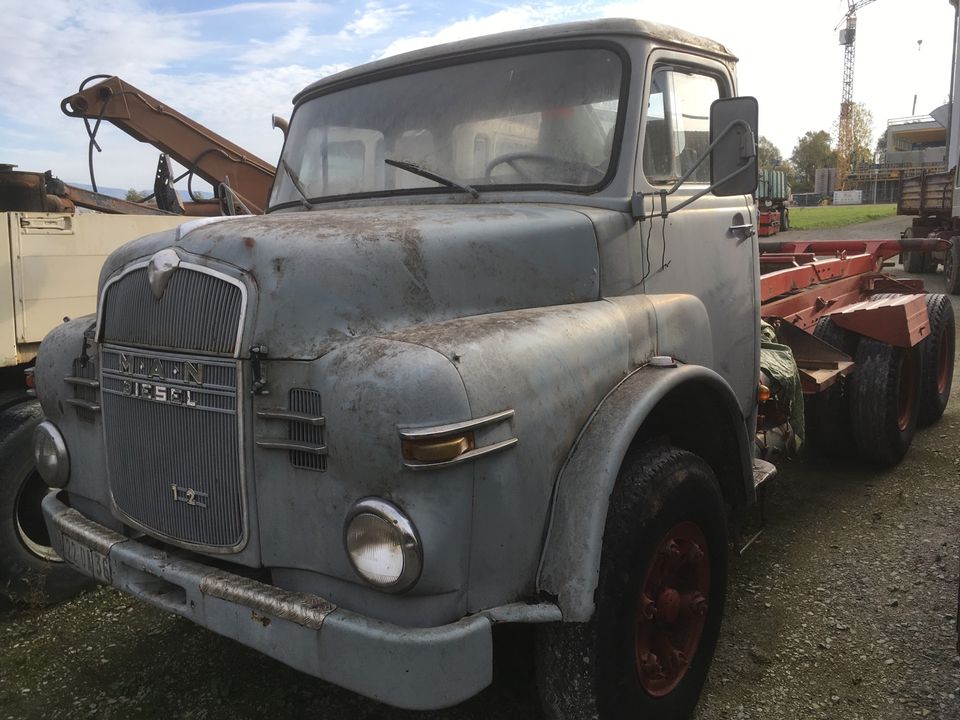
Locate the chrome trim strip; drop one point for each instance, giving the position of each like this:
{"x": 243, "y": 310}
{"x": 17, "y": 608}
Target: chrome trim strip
{"x": 189, "y": 266}
{"x": 453, "y": 428}
{"x": 85, "y": 404}
{"x": 281, "y": 414}
{"x": 268, "y": 444}
{"x": 86, "y": 532}
{"x": 301, "y": 608}
{"x": 82, "y": 381}
{"x": 471, "y": 455}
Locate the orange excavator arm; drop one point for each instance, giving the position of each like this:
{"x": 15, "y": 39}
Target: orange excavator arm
{"x": 230, "y": 169}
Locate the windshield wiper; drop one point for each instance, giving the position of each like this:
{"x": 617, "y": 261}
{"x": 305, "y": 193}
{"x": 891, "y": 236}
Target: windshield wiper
{"x": 423, "y": 172}
{"x": 304, "y": 200}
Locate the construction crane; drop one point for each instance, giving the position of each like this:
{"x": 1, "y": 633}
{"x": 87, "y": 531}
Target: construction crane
{"x": 848, "y": 38}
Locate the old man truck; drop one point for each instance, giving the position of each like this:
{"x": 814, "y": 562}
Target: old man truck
{"x": 492, "y": 356}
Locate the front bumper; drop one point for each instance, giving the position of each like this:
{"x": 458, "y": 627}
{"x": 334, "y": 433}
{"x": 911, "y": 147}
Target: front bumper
{"x": 419, "y": 669}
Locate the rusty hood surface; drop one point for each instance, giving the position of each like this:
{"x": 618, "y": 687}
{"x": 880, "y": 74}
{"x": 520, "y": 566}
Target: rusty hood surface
{"x": 321, "y": 277}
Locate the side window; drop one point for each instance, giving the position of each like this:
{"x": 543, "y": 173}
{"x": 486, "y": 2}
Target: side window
{"x": 678, "y": 124}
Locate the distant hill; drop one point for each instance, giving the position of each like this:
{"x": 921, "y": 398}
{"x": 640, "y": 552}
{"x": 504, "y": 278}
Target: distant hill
{"x": 122, "y": 194}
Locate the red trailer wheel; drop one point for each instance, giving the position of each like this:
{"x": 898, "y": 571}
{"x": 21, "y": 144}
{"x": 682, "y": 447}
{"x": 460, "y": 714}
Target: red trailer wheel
{"x": 938, "y": 354}
{"x": 885, "y": 400}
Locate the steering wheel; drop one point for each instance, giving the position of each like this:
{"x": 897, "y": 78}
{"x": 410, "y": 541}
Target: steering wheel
{"x": 565, "y": 163}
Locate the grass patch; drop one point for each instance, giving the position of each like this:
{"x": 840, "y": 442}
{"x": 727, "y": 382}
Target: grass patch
{"x": 834, "y": 216}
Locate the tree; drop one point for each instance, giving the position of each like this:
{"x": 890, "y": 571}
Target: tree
{"x": 861, "y": 135}
{"x": 768, "y": 155}
{"x": 811, "y": 152}
{"x": 134, "y": 195}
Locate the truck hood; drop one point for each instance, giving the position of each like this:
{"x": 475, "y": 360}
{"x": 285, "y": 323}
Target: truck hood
{"x": 320, "y": 277}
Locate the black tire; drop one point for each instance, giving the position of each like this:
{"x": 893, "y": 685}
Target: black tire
{"x": 884, "y": 400}
{"x": 785, "y": 219}
{"x": 30, "y": 572}
{"x": 951, "y": 267}
{"x": 938, "y": 354}
{"x": 826, "y": 415}
{"x": 913, "y": 261}
{"x": 593, "y": 669}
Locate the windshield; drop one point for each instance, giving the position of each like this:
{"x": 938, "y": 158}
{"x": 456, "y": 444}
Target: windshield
{"x": 536, "y": 120}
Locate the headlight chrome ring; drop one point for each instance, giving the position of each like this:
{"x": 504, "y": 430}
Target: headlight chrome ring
{"x": 383, "y": 545}
{"x": 51, "y": 455}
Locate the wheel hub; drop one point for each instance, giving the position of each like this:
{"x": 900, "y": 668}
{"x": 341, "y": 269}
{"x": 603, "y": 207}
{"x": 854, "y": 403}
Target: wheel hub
{"x": 671, "y": 609}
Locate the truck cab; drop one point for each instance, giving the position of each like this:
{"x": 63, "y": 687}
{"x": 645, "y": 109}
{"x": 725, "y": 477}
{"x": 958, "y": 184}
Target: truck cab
{"x": 492, "y": 356}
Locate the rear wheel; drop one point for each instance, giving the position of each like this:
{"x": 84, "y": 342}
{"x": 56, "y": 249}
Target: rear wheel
{"x": 912, "y": 260}
{"x": 938, "y": 353}
{"x": 660, "y": 597}
{"x": 827, "y": 415}
{"x": 885, "y": 400}
{"x": 951, "y": 267}
{"x": 785, "y": 219}
{"x": 30, "y": 570}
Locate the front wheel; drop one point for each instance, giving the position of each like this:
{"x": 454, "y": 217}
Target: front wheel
{"x": 30, "y": 571}
{"x": 660, "y": 598}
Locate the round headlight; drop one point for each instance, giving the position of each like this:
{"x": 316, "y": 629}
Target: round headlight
{"x": 50, "y": 454}
{"x": 382, "y": 545}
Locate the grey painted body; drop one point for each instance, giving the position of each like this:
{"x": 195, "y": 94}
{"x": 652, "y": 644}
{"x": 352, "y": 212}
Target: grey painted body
{"x": 414, "y": 311}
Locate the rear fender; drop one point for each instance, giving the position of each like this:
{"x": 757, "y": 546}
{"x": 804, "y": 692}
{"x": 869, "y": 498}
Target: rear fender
{"x": 689, "y": 406}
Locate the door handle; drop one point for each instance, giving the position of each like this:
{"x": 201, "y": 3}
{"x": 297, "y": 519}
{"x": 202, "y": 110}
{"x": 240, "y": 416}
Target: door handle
{"x": 742, "y": 232}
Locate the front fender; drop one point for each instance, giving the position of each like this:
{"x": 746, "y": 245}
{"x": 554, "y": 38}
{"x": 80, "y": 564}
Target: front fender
{"x": 570, "y": 564}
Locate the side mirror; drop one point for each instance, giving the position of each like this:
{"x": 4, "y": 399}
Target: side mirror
{"x": 733, "y": 160}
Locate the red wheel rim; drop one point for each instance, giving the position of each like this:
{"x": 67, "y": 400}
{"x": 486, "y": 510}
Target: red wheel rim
{"x": 944, "y": 360}
{"x": 907, "y": 388}
{"x": 672, "y": 608}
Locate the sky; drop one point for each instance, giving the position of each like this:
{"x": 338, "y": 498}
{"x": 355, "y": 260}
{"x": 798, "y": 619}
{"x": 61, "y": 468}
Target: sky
{"x": 231, "y": 65}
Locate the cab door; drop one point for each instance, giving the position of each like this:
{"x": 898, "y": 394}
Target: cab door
{"x": 707, "y": 249}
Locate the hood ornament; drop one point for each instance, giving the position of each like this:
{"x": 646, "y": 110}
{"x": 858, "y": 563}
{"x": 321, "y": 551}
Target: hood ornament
{"x": 159, "y": 270}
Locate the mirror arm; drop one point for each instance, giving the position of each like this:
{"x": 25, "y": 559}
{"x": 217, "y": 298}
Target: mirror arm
{"x": 748, "y": 150}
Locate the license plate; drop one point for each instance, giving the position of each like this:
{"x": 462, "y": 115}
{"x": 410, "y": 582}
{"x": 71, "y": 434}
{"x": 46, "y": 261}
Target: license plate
{"x": 88, "y": 560}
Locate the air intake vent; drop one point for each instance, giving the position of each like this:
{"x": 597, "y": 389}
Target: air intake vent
{"x": 307, "y": 402}
{"x": 86, "y": 393}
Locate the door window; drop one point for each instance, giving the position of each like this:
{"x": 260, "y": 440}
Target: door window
{"x": 678, "y": 125}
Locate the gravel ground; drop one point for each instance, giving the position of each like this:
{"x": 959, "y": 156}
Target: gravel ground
{"x": 844, "y": 608}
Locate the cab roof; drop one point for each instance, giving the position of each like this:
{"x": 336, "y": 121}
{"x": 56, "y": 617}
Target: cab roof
{"x": 663, "y": 34}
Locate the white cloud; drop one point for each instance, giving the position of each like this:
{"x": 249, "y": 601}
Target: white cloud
{"x": 276, "y": 8}
{"x": 265, "y": 52}
{"x": 374, "y": 19}
{"x": 516, "y": 18}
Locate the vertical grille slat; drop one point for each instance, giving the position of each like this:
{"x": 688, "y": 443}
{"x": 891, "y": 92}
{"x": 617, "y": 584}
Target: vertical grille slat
{"x": 196, "y": 313}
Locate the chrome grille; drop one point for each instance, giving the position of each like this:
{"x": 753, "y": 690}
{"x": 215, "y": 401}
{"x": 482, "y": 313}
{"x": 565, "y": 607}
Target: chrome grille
{"x": 173, "y": 444}
{"x": 198, "y": 312}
